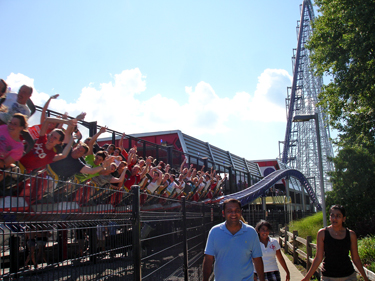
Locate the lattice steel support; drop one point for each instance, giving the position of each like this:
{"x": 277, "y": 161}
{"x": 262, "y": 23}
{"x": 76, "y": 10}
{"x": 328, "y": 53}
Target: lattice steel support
{"x": 300, "y": 144}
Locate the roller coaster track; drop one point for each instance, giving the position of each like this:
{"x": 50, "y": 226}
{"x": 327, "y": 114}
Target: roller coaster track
{"x": 257, "y": 190}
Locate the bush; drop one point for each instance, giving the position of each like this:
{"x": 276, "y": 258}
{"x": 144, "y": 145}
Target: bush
{"x": 366, "y": 250}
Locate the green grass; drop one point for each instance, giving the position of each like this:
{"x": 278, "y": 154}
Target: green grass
{"x": 308, "y": 226}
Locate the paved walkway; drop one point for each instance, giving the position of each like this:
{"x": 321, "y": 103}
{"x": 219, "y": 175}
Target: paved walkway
{"x": 295, "y": 274}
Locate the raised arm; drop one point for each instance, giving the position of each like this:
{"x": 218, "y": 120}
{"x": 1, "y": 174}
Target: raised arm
{"x": 202, "y": 168}
{"x": 146, "y": 169}
{"x": 194, "y": 173}
{"x": 65, "y": 116}
{"x": 121, "y": 145}
{"x": 208, "y": 184}
{"x": 91, "y": 171}
{"x": 94, "y": 138}
{"x": 183, "y": 164}
{"x": 200, "y": 180}
{"x": 107, "y": 162}
{"x": 69, "y": 131}
{"x": 65, "y": 152}
{"x": 151, "y": 171}
{"x": 132, "y": 152}
{"x": 190, "y": 171}
{"x": 131, "y": 155}
{"x": 212, "y": 173}
{"x": 160, "y": 178}
{"x": 121, "y": 142}
{"x": 48, "y": 120}
{"x": 167, "y": 168}
{"x": 45, "y": 107}
{"x": 100, "y": 169}
{"x": 222, "y": 180}
{"x": 81, "y": 116}
{"x": 121, "y": 178}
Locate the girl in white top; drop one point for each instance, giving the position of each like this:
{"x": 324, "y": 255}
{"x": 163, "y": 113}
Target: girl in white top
{"x": 270, "y": 250}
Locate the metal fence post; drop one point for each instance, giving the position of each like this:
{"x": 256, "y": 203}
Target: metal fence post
{"x": 113, "y": 137}
{"x": 60, "y": 244}
{"x": 64, "y": 236}
{"x": 136, "y": 225}
{"x": 144, "y": 151}
{"x": 93, "y": 128}
{"x": 130, "y": 142}
{"x": 231, "y": 187}
{"x": 203, "y": 226}
{"x": 170, "y": 155}
{"x": 184, "y": 232}
{"x": 93, "y": 244}
{"x": 14, "y": 242}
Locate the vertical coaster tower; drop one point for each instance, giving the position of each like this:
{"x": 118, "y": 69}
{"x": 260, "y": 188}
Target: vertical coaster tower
{"x": 300, "y": 149}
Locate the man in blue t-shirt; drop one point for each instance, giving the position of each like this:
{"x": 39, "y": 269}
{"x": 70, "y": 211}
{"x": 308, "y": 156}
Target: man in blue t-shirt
{"x": 234, "y": 246}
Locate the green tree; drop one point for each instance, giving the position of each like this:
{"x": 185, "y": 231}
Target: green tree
{"x": 343, "y": 47}
{"x": 353, "y": 186}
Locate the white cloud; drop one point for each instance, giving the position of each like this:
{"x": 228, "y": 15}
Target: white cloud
{"x": 272, "y": 85}
{"x": 119, "y": 105}
{"x": 268, "y": 104}
{"x": 15, "y": 81}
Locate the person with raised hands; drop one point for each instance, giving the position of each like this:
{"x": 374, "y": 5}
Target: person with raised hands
{"x": 157, "y": 177}
{"x": 106, "y": 175}
{"x": 121, "y": 146}
{"x": 44, "y": 152}
{"x": 136, "y": 174}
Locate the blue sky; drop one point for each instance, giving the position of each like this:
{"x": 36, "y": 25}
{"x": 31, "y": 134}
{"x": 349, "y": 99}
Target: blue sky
{"x": 216, "y": 70}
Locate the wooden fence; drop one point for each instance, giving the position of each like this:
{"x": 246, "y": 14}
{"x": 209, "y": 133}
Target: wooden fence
{"x": 290, "y": 242}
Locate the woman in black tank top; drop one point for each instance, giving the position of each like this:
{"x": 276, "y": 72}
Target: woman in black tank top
{"x": 334, "y": 243}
